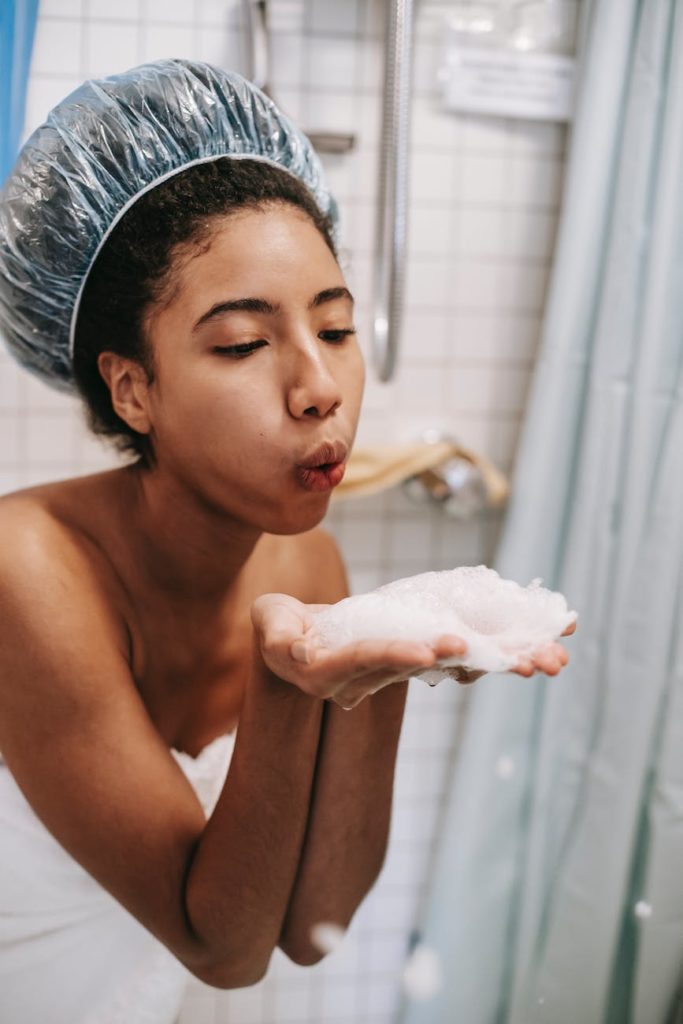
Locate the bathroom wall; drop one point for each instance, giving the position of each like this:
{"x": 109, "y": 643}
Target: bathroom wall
{"x": 485, "y": 197}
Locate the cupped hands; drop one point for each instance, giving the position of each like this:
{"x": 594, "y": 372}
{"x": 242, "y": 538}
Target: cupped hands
{"x": 348, "y": 674}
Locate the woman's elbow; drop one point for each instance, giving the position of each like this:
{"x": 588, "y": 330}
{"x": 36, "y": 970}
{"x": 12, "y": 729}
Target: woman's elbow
{"x": 302, "y": 954}
{"x": 231, "y": 973}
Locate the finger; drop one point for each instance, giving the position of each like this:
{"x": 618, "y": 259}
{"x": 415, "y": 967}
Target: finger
{"x": 392, "y": 654}
{"x": 548, "y": 663}
{"x": 302, "y": 651}
{"x": 354, "y": 661}
{"x": 569, "y": 630}
{"x": 560, "y": 653}
{"x": 551, "y": 658}
{"x": 449, "y": 645}
{"x": 277, "y": 620}
{"x": 525, "y": 667}
{"x": 322, "y": 675}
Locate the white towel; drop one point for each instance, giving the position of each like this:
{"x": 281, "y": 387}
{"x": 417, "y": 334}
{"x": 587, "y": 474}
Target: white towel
{"x": 69, "y": 953}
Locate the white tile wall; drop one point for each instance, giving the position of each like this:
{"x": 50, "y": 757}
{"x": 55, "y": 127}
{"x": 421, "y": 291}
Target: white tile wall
{"x": 485, "y": 194}
{"x": 122, "y": 10}
{"x": 57, "y": 45}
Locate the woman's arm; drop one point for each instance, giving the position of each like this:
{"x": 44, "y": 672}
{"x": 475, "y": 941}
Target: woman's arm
{"x": 348, "y": 827}
{"x": 81, "y": 746}
{"x": 242, "y": 873}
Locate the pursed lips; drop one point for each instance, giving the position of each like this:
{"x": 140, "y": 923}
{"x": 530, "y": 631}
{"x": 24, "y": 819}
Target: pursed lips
{"x": 326, "y": 454}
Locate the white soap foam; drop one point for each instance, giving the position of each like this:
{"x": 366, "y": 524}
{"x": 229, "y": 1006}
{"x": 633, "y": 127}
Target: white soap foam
{"x": 422, "y": 975}
{"x": 327, "y": 936}
{"x": 505, "y": 767}
{"x": 500, "y": 621}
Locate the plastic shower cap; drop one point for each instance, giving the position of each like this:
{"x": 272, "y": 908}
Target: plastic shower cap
{"x": 99, "y": 150}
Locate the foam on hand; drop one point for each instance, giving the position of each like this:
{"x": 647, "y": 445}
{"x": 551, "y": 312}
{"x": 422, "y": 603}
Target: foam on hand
{"x": 500, "y": 621}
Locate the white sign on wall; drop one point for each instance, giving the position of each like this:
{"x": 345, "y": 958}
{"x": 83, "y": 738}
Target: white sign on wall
{"x": 490, "y": 80}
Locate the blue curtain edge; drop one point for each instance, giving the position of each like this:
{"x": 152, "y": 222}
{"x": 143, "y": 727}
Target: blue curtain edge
{"x": 17, "y": 33}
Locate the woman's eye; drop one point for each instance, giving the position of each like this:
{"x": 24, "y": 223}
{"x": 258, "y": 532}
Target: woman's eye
{"x": 241, "y": 350}
{"x": 337, "y": 336}
{"x": 245, "y": 348}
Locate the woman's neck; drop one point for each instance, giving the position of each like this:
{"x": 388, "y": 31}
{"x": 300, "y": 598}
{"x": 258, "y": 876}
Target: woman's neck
{"x": 179, "y": 544}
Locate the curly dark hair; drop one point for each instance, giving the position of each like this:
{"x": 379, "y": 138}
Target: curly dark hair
{"x": 133, "y": 270}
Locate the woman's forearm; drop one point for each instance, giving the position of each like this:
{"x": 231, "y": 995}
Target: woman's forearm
{"x": 242, "y": 873}
{"x": 350, "y": 815}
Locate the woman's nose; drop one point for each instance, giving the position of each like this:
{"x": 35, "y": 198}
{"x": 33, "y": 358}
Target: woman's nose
{"x": 313, "y": 390}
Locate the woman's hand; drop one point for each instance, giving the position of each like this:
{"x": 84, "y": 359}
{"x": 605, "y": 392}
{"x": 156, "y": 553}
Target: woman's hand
{"x": 549, "y": 659}
{"x": 350, "y": 673}
{"x": 345, "y": 675}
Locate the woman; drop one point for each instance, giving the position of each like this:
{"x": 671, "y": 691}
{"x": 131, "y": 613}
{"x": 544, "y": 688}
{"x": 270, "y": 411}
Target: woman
{"x": 196, "y": 304}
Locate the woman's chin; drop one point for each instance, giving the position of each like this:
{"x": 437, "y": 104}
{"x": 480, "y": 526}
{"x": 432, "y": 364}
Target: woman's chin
{"x": 293, "y": 520}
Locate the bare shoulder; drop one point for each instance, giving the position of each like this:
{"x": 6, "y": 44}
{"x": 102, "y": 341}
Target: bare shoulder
{"x": 311, "y": 567}
{"x": 31, "y": 537}
{"x": 74, "y": 731}
{"x": 47, "y": 563}
{"x": 30, "y": 528}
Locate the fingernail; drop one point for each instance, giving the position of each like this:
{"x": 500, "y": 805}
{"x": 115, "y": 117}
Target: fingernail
{"x": 300, "y": 651}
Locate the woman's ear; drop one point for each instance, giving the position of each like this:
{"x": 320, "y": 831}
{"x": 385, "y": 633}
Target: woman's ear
{"x": 129, "y": 389}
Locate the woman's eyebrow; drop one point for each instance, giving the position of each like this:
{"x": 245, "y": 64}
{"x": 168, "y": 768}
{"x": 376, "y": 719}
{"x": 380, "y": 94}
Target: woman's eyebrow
{"x": 254, "y": 305}
{"x": 232, "y": 305}
{"x": 329, "y": 295}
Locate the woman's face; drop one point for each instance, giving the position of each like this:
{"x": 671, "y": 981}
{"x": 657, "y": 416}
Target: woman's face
{"x": 257, "y": 367}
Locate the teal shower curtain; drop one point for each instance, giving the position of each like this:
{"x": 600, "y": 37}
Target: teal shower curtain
{"x": 558, "y": 890}
{"x": 17, "y": 28}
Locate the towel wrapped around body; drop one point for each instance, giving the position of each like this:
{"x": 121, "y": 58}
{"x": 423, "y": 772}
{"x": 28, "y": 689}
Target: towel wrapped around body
{"x": 69, "y": 952}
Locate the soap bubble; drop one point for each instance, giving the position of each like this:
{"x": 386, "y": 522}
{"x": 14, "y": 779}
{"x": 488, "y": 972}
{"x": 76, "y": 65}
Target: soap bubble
{"x": 642, "y": 909}
{"x": 500, "y": 621}
{"x": 327, "y": 936}
{"x": 505, "y": 767}
{"x": 422, "y": 973}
